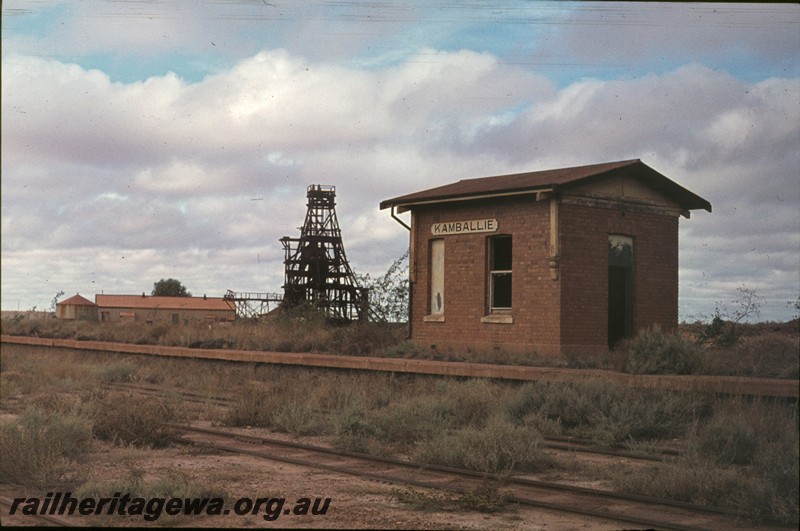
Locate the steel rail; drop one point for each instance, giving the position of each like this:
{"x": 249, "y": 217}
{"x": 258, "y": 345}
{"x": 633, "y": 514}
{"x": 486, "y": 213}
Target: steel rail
{"x": 589, "y": 448}
{"x": 189, "y": 396}
{"x": 568, "y": 444}
{"x": 453, "y": 470}
{"x": 620, "y": 446}
{"x": 419, "y": 467}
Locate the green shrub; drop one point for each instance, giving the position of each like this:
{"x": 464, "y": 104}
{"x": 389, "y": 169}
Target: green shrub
{"x": 40, "y": 448}
{"x": 603, "y": 411}
{"x": 172, "y": 484}
{"x": 404, "y": 349}
{"x": 727, "y": 439}
{"x": 499, "y": 447}
{"x": 776, "y": 464}
{"x": 350, "y": 429}
{"x": 131, "y": 419}
{"x": 655, "y": 352}
{"x": 407, "y": 422}
{"x": 252, "y": 406}
{"x": 169, "y": 484}
{"x": 743, "y": 457}
{"x": 118, "y": 372}
{"x": 686, "y": 481}
{"x": 365, "y": 339}
{"x": 297, "y": 418}
{"x": 773, "y": 355}
{"x": 470, "y": 402}
{"x": 485, "y": 499}
{"x": 644, "y": 416}
{"x": 763, "y": 355}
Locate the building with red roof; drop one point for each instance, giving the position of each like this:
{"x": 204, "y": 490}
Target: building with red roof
{"x": 569, "y": 260}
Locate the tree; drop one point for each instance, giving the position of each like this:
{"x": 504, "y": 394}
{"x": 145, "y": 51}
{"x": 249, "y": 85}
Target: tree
{"x": 169, "y": 288}
{"x": 54, "y": 302}
{"x": 722, "y": 329}
{"x": 388, "y": 295}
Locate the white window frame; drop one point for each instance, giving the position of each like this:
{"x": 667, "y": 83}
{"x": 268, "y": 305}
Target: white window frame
{"x": 494, "y": 273}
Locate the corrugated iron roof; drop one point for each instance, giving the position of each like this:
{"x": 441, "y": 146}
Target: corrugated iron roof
{"x": 77, "y": 300}
{"x": 555, "y": 179}
{"x": 149, "y": 302}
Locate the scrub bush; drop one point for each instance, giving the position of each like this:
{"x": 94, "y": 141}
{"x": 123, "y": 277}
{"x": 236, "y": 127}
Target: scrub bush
{"x": 252, "y": 406}
{"x": 407, "y": 422}
{"x": 743, "y": 457}
{"x": 655, "y": 352}
{"x": 728, "y": 440}
{"x": 131, "y": 419}
{"x": 117, "y": 372}
{"x": 172, "y": 484}
{"x": 40, "y": 448}
{"x": 499, "y": 447}
{"x": 485, "y": 499}
{"x": 168, "y": 484}
{"x": 603, "y": 411}
{"x": 297, "y": 418}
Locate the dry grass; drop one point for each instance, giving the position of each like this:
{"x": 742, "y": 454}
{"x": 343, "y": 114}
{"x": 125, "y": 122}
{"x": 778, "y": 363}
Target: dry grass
{"x": 40, "y": 448}
{"x": 762, "y": 350}
{"x": 498, "y": 447}
{"x": 742, "y": 451}
{"x": 169, "y": 484}
{"x": 745, "y": 456}
{"x": 127, "y": 418}
{"x": 486, "y": 499}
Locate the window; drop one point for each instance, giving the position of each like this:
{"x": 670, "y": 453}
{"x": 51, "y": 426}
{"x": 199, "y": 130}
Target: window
{"x": 500, "y": 273}
{"x": 437, "y": 277}
{"x": 620, "y": 288}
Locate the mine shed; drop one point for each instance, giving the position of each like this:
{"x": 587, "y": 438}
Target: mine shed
{"x": 77, "y": 308}
{"x": 166, "y": 310}
{"x": 561, "y": 261}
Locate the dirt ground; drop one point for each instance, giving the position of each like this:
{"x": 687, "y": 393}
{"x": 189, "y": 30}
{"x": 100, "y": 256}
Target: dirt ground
{"x": 355, "y": 502}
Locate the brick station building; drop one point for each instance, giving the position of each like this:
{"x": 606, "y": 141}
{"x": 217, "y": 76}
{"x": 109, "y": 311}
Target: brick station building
{"x": 567, "y": 260}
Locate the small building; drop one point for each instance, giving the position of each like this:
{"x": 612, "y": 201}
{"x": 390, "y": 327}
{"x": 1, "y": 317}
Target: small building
{"x": 169, "y": 310}
{"x": 76, "y": 308}
{"x": 561, "y": 261}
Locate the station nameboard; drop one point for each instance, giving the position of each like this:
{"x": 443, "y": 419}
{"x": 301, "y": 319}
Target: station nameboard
{"x": 462, "y": 227}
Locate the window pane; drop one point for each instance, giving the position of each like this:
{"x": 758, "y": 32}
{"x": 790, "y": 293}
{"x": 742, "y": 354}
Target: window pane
{"x": 501, "y": 290}
{"x": 501, "y": 254}
{"x": 437, "y": 277}
{"x": 620, "y": 250}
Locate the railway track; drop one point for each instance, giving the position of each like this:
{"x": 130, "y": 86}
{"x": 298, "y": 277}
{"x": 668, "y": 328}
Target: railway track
{"x": 634, "y": 510}
{"x": 158, "y": 391}
{"x": 566, "y": 444}
{"x": 573, "y": 444}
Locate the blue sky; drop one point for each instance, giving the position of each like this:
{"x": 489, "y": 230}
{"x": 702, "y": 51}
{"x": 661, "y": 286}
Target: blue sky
{"x": 526, "y": 33}
{"x": 135, "y": 134}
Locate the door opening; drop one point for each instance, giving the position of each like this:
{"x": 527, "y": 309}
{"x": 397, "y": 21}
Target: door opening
{"x": 620, "y": 288}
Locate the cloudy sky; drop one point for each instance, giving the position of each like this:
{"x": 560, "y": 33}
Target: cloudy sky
{"x": 150, "y": 139}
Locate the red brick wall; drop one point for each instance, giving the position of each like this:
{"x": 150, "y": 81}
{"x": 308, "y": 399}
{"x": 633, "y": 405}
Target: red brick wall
{"x": 569, "y": 314}
{"x": 535, "y": 296}
{"x": 584, "y": 271}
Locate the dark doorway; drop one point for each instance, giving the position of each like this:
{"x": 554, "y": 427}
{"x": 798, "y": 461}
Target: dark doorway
{"x": 620, "y": 288}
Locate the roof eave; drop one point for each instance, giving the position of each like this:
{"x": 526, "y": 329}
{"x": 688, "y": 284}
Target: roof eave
{"x": 403, "y": 206}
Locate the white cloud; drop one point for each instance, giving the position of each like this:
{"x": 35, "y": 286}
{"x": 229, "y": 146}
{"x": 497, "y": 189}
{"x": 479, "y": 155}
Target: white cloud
{"x": 198, "y": 181}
